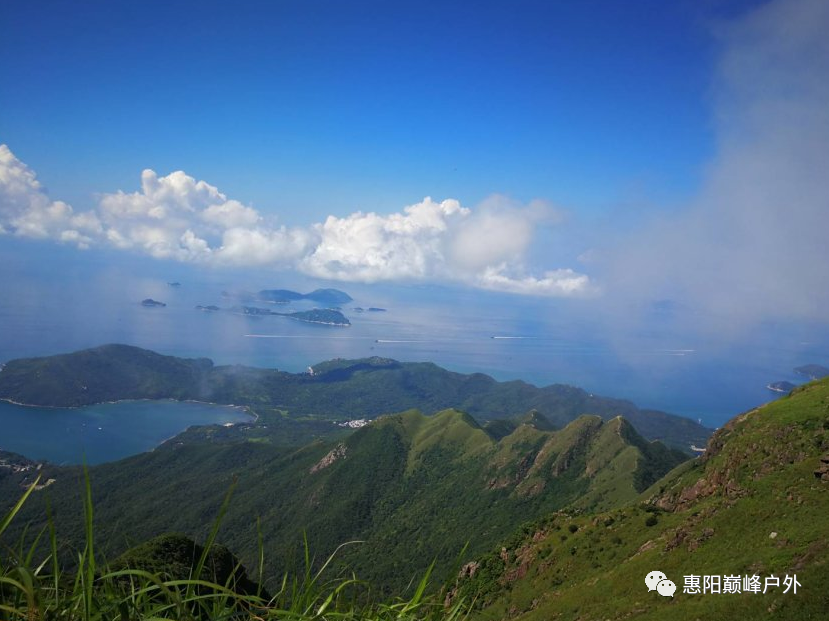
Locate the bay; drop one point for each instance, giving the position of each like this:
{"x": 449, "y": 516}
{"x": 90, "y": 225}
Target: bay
{"x": 103, "y": 432}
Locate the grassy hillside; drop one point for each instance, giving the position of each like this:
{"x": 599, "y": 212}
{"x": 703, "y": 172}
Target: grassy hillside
{"x": 412, "y": 487}
{"x": 755, "y": 504}
{"x": 336, "y": 390}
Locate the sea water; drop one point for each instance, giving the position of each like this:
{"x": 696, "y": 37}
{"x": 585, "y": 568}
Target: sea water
{"x": 94, "y": 298}
{"x": 104, "y": 432}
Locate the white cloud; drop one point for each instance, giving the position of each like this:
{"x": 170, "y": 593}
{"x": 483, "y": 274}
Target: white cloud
{"x": 370, "y": 247}
{"x": 230, "y": 214}
{"x": 27, "y": 211}
{"x": 261, "y": 246}
{"x": 179, "y": 218}
{"x": 441, "y": 241}
{"x": 562, "y": 282}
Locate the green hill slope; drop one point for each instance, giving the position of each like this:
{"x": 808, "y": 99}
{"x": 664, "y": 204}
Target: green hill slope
{"x": 336, "y": 390}
{"x": 412, "y": 487}
{"x": 106, "y": 373}
{"x": 756, "y": 504}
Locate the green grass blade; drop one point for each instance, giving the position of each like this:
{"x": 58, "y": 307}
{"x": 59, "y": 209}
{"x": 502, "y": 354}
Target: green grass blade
{"x": 213, "y": 533}
{"x": 88, "y": 569}
{"x": 16, "y": 508}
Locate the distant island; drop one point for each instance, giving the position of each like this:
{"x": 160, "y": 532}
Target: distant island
{"x": 209, "y": 308}
{"x": 371, "y": 309}
{"x": 812, "y": 371}
{"x": 784, "y": 387}
{"x": 173, "y": 284}
{"x": 329, "y": 297}
{"x": 152, "y": 303}
{"x": 325, "y": 316}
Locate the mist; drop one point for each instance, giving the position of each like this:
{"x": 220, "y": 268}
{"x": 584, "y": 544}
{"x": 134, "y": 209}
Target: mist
{"x": 751, "y": 250}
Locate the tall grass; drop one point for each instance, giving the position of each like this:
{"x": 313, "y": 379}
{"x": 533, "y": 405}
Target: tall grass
{"x": 35, "y": 588}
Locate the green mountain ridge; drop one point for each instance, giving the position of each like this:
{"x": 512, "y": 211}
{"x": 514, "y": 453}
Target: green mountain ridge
{"x": 335, "y": 390}
{"x": 754, "y": 504}
{"x": 414, "y": 488}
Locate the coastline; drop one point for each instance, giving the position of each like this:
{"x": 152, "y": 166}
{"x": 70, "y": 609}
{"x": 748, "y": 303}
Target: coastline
{"x": 245, "y": 408}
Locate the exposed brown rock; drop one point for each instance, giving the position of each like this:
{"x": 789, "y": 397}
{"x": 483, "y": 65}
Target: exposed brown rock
{"x": 338, "y": 452}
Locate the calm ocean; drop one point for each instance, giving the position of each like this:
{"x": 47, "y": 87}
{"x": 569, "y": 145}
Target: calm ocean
{"x": 104, "y": 432}
{"x": 88, "y": 302}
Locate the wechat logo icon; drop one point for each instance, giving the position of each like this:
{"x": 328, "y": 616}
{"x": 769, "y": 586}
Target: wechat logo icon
{"x": 658, "y": 581}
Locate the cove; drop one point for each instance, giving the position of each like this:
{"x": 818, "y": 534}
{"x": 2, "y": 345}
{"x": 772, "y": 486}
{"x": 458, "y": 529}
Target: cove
{"x": 103, "y": 432}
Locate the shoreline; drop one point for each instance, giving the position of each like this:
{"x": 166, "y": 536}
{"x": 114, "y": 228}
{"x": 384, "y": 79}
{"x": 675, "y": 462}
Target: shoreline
{"x": 245, "y": 408}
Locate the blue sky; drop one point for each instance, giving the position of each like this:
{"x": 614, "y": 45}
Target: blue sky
{"x": 578, "y": 149}
{"x": 327, "y": 107}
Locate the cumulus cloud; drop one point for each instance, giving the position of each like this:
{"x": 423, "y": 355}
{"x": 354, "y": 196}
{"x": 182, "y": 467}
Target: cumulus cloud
{"x": 754, "y": 245}
{"x": 177, "y": 217}
{"x": 27, "y": 211}
{"x": 484, "y": 247}
{"x": 370, "y": 247}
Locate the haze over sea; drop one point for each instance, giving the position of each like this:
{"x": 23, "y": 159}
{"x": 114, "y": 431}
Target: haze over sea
{"x": 95, "y": 300}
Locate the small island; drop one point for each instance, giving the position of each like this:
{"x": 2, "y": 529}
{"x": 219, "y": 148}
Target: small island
{"x": 784, "y": 387}
{"x": 326, "y": 316}
{"x": 812, "y": 371}
{"x": 152, "y": 303}
{"x": 208, "y": 308}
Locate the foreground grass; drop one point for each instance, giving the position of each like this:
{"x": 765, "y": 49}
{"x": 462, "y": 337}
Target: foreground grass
{"x": 36, "y": 587}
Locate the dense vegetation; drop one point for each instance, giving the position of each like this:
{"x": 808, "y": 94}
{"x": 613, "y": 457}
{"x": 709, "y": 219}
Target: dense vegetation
{"x": 337, "y": 390}
{"x": 413, "y": 488}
